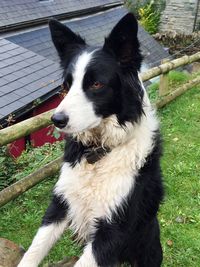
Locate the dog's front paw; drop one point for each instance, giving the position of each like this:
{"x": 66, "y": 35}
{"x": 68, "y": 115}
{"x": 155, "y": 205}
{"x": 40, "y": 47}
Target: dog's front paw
{"x": 26, "y": 264}
{"x": 87, "y": 259}
{"x": 80, "y": 264}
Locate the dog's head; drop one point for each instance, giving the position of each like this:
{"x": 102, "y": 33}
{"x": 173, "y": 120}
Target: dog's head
{"x": 101, "y": 81}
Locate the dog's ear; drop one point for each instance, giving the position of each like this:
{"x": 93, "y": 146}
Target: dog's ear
{"x": 63, "y": 38}
{"x": 123, "y": 42}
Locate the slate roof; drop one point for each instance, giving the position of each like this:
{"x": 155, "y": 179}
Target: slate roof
{"x": 24, "y": 77}
{"x": 13, "y": 12}
{"x": 29, "y": 66}
{"x": 93, "y": 28}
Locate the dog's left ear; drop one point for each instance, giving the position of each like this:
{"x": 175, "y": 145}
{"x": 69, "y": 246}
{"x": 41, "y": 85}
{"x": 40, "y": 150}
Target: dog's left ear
{"x": 64, "y": 39}
{"x": 123, "y": 42}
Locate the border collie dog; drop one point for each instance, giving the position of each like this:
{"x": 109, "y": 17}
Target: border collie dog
{"x": 110, "y": 185}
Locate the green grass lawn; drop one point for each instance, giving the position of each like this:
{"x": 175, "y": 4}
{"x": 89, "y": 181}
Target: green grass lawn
{"x": 179, "y": 214}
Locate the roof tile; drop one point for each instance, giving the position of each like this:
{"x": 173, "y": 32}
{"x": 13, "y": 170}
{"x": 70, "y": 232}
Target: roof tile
{"x": 93, "y": 29}
{"x": 18, "y": 11}
{"x": 22, "y": 76}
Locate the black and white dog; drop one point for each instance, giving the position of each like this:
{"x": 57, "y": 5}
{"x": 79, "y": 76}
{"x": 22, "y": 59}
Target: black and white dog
{"x": 110, "y": 187}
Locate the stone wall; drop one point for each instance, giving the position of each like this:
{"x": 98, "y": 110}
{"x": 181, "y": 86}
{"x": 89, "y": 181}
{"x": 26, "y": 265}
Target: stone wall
{"x": 198, "y": 19}
{"x": 179, "y": 15}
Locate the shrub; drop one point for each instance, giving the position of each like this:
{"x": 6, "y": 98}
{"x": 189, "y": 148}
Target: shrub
{"x": 149, "y": 17}
{"x": 135, "y": 5}
{"x": 7, "y": 167}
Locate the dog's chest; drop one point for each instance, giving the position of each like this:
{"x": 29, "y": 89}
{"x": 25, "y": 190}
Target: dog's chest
{"x": 96, "y": 190}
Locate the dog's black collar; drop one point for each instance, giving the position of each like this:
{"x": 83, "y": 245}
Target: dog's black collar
{"x": 93, "y": 154}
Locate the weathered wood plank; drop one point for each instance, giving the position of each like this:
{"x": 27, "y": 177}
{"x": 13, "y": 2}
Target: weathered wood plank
{"x": 179, "y": 91}
{"x": 25, "y": 127}
{"x": 29, "y": 181}
{"x": 164, "y": 82}
{"x": 164, "y": 68}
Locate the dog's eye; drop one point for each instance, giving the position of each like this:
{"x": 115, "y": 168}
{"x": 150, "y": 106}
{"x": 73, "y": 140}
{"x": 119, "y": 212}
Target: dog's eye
{"x": 96, "y": 85}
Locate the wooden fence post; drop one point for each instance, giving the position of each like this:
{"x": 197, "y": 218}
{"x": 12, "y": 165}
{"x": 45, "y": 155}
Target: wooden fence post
{"x": 177, "y": 92}
{"x": 164, "y": 81}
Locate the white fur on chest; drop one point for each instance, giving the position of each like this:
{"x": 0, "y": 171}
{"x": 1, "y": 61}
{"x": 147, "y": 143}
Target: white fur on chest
{"x": 95, "y": 191}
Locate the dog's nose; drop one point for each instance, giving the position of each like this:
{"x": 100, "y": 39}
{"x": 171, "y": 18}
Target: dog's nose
{"x": 60, "y": 120}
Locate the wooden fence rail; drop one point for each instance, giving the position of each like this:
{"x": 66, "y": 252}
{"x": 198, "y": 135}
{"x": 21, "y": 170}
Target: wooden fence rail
{"x": 28, "y": 126}
{"x": 177, "y": 92}
{"x": 166, "y": 67}
{"x": 21, "y": 186}
{"x": 25, "y": 127}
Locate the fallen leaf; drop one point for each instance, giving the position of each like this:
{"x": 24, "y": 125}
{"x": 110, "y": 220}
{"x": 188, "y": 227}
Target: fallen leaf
{"x": 179, "y": 219}
{"x": 170, "y": 243}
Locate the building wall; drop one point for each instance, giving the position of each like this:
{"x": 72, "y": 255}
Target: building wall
{"x": 17, "y": 147}
{"x": 198, "y": 18}
{"x": 179, "y": 15}
{"x": 45, "y": 135}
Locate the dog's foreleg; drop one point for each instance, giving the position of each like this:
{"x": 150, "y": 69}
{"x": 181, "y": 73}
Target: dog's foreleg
{"x": 53, "y": 225}
{"x": 105, "y": 247}
{"x": 88, "y": 258}
{"x": 42, "y": 243}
